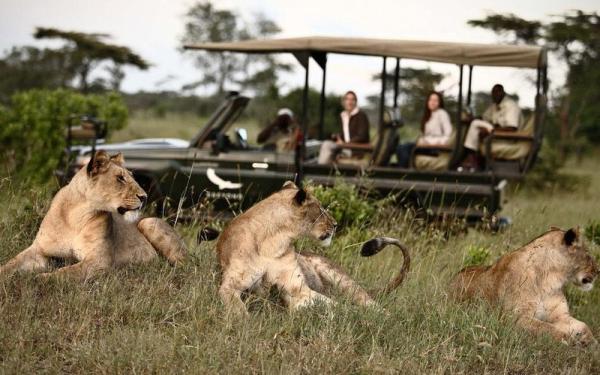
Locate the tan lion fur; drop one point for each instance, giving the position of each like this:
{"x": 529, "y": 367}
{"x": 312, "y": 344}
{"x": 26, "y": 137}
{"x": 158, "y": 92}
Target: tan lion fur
{"x": 94, "y": 221}
{"x": 256, "y": 252}
{"x": 529, "y": 282}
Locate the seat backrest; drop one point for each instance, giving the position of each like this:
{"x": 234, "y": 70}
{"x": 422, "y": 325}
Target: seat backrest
{"x": 389, "y": 141}
{"x": 529, "y": 124}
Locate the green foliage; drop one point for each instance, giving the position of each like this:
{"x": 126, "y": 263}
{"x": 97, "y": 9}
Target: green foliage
{"x": 573, "y": 37}
{"x": 476, "y": 256}
{"x": 206, "y": 23}
{"x": 592, "y": 231}
{"x": 85, "y": 51}
{"x": 32, "y": 127}
{"x": 512, "y": 26}
{"x": 416, "y": 85}
{"x": 26, "y": 67}
{"x": 348, "y": 204}
{"x": 548, "y": 174}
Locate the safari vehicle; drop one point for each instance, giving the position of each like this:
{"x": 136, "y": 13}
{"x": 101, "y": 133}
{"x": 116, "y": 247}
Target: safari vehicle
{"x": 211, "y": 165}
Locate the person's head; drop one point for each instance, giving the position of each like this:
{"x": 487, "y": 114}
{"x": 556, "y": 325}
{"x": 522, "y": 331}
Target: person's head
{"x": 349, "y": 101}
{"x": 434, "y": 101}
{"x": 285, "y": 111}
{"x": 498, "y": 93}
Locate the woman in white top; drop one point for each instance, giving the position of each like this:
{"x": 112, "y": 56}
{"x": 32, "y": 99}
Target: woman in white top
{"x": 436, "y": 129}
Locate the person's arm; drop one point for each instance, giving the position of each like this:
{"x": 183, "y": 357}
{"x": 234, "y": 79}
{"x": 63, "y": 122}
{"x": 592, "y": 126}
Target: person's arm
{"x": 488, "y": 113}
{"x": 512, "y": 117}
{"x": 362, "y": 129}
{"x": 264, "y": 134}
{"x": 280, "y": 123}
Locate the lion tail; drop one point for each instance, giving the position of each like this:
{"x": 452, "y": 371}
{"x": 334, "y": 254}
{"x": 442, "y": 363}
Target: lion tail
{"x": 377, "y": 244}
{"x": 207, "y": 234}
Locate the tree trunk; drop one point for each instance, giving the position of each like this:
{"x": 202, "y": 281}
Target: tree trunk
{"x": 564, "y": 129}
{"x": 83, "y": 77}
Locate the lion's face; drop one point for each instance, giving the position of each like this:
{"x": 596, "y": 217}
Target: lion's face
{"x": 112, "y": 187}
{"x": 318, "y": 222}
{"x": 584, "y": 266}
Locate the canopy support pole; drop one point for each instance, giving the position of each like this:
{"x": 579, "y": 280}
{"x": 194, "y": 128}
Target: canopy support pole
{"x": 322, "y": 102}
{"x": 458, "y": 150}
{"x": 460, "y": 95}
{"x": 382, "y": 96}
{"x": 301, "y": 146}
{"x": 469, "y": 88}
{"x": 396, "y": 82}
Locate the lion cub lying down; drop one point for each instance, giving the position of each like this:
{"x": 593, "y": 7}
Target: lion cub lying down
{"x": 529, "y": 282}
{"x": 94, "y": 220}
{"x": 256, "y": 251}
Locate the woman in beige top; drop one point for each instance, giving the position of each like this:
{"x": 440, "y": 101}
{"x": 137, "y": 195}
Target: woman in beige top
{"x": 436, "y": 129}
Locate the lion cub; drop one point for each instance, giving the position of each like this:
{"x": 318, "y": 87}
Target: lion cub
{"x": 94, "y": 221}
{"x": 256, "y": 251}
{"x": 529, "y": 282}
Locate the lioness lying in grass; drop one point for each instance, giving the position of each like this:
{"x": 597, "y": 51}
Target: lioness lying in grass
{"x": 529, "y": 282}
{"x": 94, "y": 220}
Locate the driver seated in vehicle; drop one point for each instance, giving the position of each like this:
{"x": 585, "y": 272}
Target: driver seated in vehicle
{"x": 504, "y": 113}
{"x": 355, "y": 130}
{"x": 279, "y": 134}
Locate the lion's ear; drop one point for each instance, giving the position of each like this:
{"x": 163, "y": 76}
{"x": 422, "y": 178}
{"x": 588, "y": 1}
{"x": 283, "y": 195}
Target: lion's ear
{"x": 118, "y": 159}
{"x": 289, "y": 185}
{"x": 571, "y": 236}
{"x": 300, "y": 197}
{"x": 98, "y": 163}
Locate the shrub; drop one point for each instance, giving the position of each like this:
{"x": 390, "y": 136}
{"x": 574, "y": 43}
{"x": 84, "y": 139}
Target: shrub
{"x": 476, "y": 255}
{"x": 32, "y": 127}
{"x": 592, "y": 232}
{"x": 547, "y": 174}
{"x": 347, "y": 203}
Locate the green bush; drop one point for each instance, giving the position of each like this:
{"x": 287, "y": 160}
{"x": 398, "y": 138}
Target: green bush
{"x": 347, "y": 203}
{"x": 476, "y": 255}
{"x": 592, "y": 232}
{"x": 548, "y": 175}
{"x": 32, "y": 127}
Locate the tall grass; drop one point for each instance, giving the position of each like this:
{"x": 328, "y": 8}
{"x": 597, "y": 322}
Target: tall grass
{"x": 158, "y": 319}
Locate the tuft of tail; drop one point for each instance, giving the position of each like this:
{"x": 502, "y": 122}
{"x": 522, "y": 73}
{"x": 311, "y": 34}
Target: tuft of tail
{"x": 375, "y": 245}
{"x": 207, "y": 234}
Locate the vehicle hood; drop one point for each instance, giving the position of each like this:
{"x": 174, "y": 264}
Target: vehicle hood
{"x": 138, "y": 144}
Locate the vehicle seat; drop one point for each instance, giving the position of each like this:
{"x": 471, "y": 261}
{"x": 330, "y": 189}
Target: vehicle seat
{"x": 510, "y": 145}
{"x": 377, "y": 153}
{"x": 434, "y": 158}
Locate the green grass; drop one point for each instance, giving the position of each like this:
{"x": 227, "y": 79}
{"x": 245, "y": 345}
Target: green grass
{"x": 158, "y": 319}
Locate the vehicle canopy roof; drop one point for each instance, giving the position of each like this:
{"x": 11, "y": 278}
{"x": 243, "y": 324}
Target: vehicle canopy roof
{"x": 517, "y": 56}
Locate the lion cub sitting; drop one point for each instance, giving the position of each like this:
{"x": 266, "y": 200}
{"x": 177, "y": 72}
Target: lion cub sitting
{"x": 529, "y": 282}
{"x": 256, "y": 251}
{"x": 94, "y": 221}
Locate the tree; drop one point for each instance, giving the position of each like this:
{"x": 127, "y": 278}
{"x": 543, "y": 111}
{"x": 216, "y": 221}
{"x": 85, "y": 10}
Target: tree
{"x": 266, "y": 67}
{"x": 205, "y": 23}
{"x": 86, "y": 51}
{"x": 27, "y": 67}
{"x": 416, "y": 84}
{"x": 574, "y": 37}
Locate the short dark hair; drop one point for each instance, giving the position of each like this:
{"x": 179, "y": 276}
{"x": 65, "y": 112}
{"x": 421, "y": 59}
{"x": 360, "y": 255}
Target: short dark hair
{"x": 498, "y": 86}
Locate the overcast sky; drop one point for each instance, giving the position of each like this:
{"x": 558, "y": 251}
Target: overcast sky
{"x": 152, "y": 28}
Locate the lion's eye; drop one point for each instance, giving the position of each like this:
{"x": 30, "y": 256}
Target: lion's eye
{"x": 120, "y": 178}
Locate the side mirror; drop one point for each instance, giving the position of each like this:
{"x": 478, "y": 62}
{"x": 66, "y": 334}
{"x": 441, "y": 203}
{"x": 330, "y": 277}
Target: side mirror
{"x": 242, "y": 137}
{"x": 397, "y": 119}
